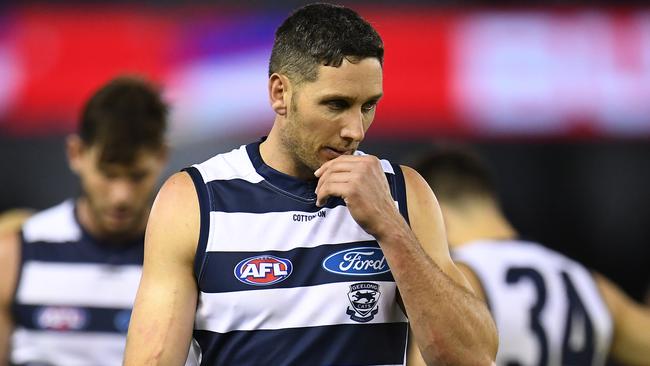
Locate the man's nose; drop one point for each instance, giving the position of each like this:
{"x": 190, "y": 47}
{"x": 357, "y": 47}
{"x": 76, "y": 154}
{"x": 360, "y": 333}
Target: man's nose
{"x": 353, "y": 128}
{"x": 121, "y": 191}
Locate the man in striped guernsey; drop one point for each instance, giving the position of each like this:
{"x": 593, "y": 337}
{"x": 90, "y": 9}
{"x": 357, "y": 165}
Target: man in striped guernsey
{"x": 69, "y": 278}
{"x": 299, "y": 249}
{"x": 549, "y": 309}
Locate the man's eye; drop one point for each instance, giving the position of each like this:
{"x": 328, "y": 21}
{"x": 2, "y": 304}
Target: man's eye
{"x": 337, "y": 104}
{"x": 369, "y": 107}
{"x": 108, "y": 175}
{"x": 138, "y": 177}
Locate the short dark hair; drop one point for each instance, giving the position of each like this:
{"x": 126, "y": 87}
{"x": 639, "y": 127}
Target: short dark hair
{"x": 455, "y": 173}
{"x": 122, "y": 117}
{"x": 322, "y": 34}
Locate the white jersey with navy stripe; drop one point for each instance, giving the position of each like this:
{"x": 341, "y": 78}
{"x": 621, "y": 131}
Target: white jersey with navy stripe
{"x": 74, "y": 295}
{"x": 547, "y": 307}
{"x": 284, "y": 282}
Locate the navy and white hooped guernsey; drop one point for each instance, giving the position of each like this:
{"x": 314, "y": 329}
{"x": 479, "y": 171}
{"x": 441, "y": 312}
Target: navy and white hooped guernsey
{"x": 74, "y": 294}
{"x": 284, "y": 282}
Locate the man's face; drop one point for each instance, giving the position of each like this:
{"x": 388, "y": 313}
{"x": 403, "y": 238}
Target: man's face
{"x": 119, "y": 195}
{"x": 330, "y": 116}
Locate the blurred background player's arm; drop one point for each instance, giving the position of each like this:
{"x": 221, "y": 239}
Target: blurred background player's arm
{"x": 631, "y": 341}
{"x": 161, "y": 325}
{"x": 9, "y": 258}
{"x": 12, "y": 220}
{"x": 10, "y": 224}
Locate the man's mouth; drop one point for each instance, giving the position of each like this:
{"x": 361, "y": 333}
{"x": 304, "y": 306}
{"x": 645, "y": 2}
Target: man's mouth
{"x": 119, "y": 215}
{"x": 340, "y": 151}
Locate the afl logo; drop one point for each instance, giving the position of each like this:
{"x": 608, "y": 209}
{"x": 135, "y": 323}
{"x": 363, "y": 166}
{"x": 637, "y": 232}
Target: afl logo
{"x": 263, "y": 270}
{"x": 363, "y": 261}
{"x": 61, "y": 318}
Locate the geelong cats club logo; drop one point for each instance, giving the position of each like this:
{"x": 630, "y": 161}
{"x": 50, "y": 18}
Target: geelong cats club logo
{"x": 364, "y": 298}
{"x": 263, "y": 270}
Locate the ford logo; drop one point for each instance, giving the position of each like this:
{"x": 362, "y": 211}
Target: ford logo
{"x": 362, "y": 261}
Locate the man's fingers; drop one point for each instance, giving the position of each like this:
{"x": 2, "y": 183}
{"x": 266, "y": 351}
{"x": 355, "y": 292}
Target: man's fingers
{"x": 343, "y": 176}
{"x": 343, "y": 162}
{"x": 330, "y": 189}
{"x": 325, "y": 172}
{"x": 339, "y": 176}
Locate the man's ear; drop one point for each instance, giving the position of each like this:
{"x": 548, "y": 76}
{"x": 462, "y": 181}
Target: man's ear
{"x": 279, "y": 93}
{"x": 74, "y": 148}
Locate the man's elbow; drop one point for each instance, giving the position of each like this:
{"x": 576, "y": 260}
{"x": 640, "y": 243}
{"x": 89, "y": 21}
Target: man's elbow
{"x": 469, "y": 357}
{"x": 477, "y": 352}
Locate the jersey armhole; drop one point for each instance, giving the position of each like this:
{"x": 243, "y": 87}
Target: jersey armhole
{"x": 13, "y": 304}
{"x": 204, "y": 210}
{"x": 399, "y": 191}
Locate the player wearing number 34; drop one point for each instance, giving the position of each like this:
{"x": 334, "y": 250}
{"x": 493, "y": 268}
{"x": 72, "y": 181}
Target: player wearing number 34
{"x": 549, "y": 309}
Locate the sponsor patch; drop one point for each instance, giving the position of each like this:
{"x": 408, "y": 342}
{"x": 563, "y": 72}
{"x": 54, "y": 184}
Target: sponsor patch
{"x": 364, "y": 298}
{"x": 263, "y": 270}
{"x": 362, "y": 261}
{"x": 61, "y": 318}
{"x": 121, "y": 320}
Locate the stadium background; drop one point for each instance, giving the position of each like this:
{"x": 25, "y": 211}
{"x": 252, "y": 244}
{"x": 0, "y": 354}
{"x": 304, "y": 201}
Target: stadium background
{"x": 556, "y": 98}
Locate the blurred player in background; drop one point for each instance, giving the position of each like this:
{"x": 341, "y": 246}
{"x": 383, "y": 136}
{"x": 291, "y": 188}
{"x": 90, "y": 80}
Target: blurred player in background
{"x": 69, "y": 278}
{"x": 549, "y": 309}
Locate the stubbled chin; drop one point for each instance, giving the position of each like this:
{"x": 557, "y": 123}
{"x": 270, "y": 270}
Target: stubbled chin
{"x": 115, "y": 225}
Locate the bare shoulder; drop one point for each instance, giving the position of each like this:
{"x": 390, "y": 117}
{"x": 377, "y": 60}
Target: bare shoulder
{"x": 175, "y": 216}
{"x": 11, "y": 220}
{"x": 417, "y": 186}
{"x": 161, "y": 324}
{"x": 631, "y": 341}
{"x": 424, "y": 213}
{"x": 9, "y": 262}
{"x": 426, "y": 221}
{"x": 617, "y": 301}
{"x": 177, "y": 189}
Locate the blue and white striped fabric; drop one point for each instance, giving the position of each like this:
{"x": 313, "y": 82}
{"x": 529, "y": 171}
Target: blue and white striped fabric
{"x": 284, "y": 282}
{"x": 74, "y": 295}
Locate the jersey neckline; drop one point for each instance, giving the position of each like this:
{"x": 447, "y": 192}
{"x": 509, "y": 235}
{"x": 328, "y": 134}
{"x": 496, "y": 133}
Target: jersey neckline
{"x": 304, "y": 189}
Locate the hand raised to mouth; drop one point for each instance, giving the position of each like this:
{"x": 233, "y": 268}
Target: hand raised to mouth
{"x": 361, "y": 182}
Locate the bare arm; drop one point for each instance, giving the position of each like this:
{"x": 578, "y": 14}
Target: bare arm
{"x": 413, "y": 355}
{"x": 473, "y": 280}
{"x": 414, "y": 358}
{"x": 12, "y": 220}
{"x": 161, "y": 325}
{"x": 450, "y": 324}
{"x": 9, "y": 262}
{"x": 631, "y": 343}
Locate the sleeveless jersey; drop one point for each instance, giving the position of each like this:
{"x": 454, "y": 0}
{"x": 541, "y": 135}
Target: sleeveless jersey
{"x": 547, "y": 307}
{"x": 74, "y": 294}
{"x": 284, "y": 282}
